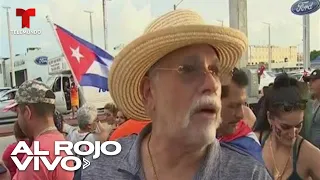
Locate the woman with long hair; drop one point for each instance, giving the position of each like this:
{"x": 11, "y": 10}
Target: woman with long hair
{"x": 110, "y": 110}
{"x": 121, "y": 118}
{"x": 286, "y": 154}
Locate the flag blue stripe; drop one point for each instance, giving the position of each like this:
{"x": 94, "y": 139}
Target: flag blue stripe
{"x": 97, "y": 74}
{"x": 248, "y": 145}
{"x": 95, "y": 81}
{"x": 98, "y": 51}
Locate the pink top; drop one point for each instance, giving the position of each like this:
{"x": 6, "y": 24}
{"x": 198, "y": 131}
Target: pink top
{"x": 46, "y": 142}
{"x": 6, "y": 157}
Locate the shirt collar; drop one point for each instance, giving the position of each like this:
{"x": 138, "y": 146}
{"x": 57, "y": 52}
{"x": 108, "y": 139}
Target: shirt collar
{"x": 132, "y": 160}
{"x": 132, "y": 164}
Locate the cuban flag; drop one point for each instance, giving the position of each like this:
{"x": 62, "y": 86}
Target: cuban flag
{"x": 243, "y": 138}
{"x": 89, "y": 63}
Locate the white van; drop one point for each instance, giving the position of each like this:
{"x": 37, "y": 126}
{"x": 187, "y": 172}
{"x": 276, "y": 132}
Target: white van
{"x": 266, "y": 78}
{"x": 59, "y": 74}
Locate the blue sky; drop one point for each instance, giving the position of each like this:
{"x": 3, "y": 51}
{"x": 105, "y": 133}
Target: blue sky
{"x": 128, "y": 18}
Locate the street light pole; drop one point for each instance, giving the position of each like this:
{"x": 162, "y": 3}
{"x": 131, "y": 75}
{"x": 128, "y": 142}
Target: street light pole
{"x": 177, "y": 4}
{"x": 269, "y": 45}
{"x": 105, "y": 24}
{"x": 13, "y": 74}
{"x": 119, "y": 47}
{"x": 91, "y": 29}
{"x": 221, "y": 21}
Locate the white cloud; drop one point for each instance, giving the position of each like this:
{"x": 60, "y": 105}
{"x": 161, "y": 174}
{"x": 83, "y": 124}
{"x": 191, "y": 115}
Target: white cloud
{"x": 133, "y": 21}
{"x": 286, "y": 28}
{"x": 128, "y": 18}
{"x": 125, "y": 22}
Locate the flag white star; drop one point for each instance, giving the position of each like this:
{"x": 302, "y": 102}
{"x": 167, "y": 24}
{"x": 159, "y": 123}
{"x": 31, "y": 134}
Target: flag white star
{"x": 76, "y": 53}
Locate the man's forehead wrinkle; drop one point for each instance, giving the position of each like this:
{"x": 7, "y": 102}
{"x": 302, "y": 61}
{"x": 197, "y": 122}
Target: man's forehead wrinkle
{"x": 185, "y": 55}
{"x": 190, "y": 59}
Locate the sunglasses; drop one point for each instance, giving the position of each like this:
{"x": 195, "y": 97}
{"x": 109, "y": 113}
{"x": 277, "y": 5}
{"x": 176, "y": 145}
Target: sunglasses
{"x": 288, "y": 107}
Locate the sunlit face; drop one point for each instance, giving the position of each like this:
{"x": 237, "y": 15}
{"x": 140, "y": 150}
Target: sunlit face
{"x": 287, "y": 126}
{"x": 182, "y": 95}
{"x": 120, "y": 118}
{"x": 24, "y": 119}
{"x": 232, "y": 108}
{"x": 315, "y": 86}
{"x": 109, "y": 116}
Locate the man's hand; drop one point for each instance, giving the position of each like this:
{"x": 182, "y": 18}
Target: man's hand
{"x": 6, "y": 175}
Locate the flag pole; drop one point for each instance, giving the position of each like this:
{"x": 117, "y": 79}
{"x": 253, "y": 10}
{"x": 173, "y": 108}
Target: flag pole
{"x": 74, "y": 77}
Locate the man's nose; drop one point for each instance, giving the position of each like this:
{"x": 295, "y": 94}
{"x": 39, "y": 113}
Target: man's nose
{"x": 211, "y": 83}
{"x": 239, "y": 113}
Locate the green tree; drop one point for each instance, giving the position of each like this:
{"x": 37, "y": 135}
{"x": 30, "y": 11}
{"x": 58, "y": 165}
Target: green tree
{"x": 314, "y": 54}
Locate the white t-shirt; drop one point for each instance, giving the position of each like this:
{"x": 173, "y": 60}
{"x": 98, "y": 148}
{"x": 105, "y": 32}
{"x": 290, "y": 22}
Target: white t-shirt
{"x": 74, "y": 135}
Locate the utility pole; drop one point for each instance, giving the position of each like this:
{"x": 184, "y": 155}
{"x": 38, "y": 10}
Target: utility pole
{"x": 269, "y": 45}
{"x": 238, "y": 20}
{"x": 91, "y": 29}
{"x": 105, "y": 24}
{"x": 306, "y": 41}
{"x": 13, "y": 75}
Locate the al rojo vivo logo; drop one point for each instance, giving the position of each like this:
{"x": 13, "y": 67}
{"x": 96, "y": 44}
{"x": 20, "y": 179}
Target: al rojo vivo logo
{"x": 25, "y": 15}
{"x": 73, "y": 152}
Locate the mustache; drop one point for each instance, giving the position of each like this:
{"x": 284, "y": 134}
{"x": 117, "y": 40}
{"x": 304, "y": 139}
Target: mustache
{"x": 205, "y": 102}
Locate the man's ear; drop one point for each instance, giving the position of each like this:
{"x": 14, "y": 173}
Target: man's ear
{"x": 146, "y": 93}
{"x": 145, "y": 89}
{"x": 27, "y": 112}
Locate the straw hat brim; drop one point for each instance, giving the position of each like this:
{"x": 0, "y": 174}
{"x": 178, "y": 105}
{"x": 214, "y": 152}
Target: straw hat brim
{"x": 133, "y": 62}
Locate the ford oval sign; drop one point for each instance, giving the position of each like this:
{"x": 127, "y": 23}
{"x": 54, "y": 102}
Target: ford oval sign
{"x": 303, "y": 7}
{"x": 42, "y": 60}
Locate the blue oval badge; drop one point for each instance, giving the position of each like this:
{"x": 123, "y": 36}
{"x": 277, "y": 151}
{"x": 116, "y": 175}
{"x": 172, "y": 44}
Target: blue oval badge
{"x": 41, "y": 60}
{"x": 303, "y": 7}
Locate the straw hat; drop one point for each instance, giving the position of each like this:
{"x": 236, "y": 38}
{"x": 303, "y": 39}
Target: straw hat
{"x": 167, "y": 33}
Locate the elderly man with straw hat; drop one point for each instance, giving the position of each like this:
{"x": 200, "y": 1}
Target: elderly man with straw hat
{"x": 172, "y": 74}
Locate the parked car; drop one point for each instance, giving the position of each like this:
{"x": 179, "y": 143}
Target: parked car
{"x": 297, "y": 76}
{"x": 3, "y": 90}
{"x": 6, "y": 99}
{"x": 266, "y": 78}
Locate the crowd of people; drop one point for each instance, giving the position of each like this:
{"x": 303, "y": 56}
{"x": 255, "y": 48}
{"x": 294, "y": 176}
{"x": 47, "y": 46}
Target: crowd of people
{"x": 180, "y": 112}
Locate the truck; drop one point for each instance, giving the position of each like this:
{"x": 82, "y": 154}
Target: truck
{"x": 59, "y": 74}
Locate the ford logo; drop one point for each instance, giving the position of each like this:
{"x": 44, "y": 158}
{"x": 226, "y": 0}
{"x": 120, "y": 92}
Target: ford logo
{"x": 42, "y": 60}
{"x": 303, "y": 7}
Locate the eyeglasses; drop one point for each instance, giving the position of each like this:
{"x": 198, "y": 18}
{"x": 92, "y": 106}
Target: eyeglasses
{"x": 191, "y": 72}
{"x": 288, "y": 107}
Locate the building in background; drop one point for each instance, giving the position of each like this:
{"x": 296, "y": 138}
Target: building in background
{"x": 31, "y": 65}
{"x": 281, "y": 57}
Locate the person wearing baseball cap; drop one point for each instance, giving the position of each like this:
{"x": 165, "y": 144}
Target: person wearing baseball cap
{"x": 315, "y": 75}
{"x": 312, "y": 118}
{"x": 35, "y": 105}
{"x": 172, "y": 75}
